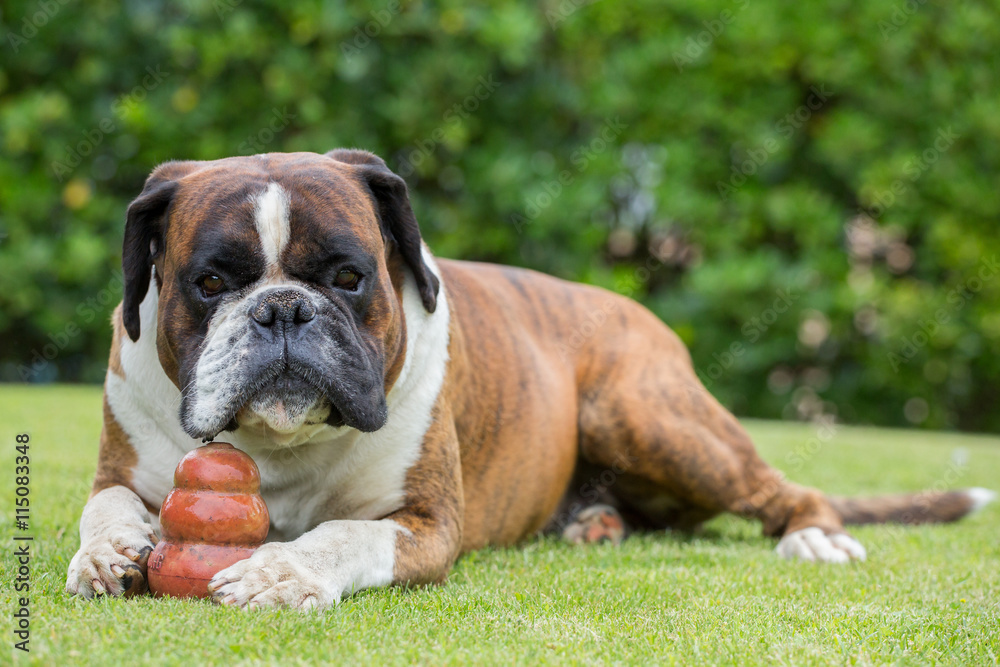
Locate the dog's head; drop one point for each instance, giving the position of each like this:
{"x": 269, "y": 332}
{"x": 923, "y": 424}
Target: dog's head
{"x": 279, "y": 278}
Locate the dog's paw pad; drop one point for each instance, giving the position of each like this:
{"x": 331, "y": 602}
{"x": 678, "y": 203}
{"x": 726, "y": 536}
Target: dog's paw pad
{"x": 598, "y": 523}
{"x": 812, "y": 544}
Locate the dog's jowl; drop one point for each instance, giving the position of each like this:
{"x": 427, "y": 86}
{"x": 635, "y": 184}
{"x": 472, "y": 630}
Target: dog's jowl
{"x": 402, "y": 410}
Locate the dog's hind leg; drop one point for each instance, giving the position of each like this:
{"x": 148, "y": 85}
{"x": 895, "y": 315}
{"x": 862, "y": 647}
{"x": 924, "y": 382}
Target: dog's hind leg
{"x": 681, "y": 457}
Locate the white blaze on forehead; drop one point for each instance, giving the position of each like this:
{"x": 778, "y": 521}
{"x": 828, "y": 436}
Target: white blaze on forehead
{"x": 271, "y": 216}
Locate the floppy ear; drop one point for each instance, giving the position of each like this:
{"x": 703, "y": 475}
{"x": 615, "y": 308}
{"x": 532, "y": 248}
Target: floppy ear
{"x": 396, "y": 216}
{"x": 145, "y": 231}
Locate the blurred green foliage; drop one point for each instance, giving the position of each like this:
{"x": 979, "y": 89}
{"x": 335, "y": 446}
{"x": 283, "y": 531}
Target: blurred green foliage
{"x": 806, "y": 192}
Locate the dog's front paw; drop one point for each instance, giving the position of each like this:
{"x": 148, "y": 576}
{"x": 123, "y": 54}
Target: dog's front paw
{"x": 813, "y": 544}
{"x": 112, "y": 566}
{"x": 273, "y": 577}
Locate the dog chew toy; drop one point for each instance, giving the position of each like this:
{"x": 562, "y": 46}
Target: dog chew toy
{"x": 213, "y": 517}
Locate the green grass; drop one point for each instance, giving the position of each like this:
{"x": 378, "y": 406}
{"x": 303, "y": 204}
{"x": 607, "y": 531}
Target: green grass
{"x": 926, "y": 594}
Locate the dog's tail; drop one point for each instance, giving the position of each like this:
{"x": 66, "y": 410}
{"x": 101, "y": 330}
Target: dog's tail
{"x": 913, "y": 508}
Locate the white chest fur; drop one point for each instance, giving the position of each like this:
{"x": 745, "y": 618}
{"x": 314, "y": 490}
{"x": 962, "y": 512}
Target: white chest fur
{"x": 336, "y": 473}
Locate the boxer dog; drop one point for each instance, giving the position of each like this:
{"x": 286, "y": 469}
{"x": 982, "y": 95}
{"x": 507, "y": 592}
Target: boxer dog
{"x": 403, "y": 410}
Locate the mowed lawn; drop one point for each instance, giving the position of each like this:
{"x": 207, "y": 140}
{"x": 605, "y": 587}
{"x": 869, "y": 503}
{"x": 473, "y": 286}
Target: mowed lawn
{"x": 925, "y": 595}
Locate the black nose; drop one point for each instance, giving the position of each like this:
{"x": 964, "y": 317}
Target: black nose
{"x": 285, "y": 306}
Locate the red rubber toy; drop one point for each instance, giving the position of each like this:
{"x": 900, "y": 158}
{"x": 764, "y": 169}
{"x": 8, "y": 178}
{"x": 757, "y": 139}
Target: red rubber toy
{"x": 213, "y": 517}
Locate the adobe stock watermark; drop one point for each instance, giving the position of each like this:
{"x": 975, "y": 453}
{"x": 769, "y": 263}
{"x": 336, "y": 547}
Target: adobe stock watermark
{"x": 458, "y": 112}
{"x": 956, "y": 470}
{"x": 752, "y": 330}
{"x": 363, "y": 35}
{"x": 277, "y": 121}
{"x": 581, "y": 159}
{"x": 564, "y": 10}
{"x": 785, "y": 129}
{"x": 154, "y": 415}
{"x": 826, "y": 431}
{"x": 598, "y": 317}
{"x": 913, "y": 169}
{"x": 698, "y": 43}
{"x": 625, "y": 287}
{"x": 73, "y": 154}
{"x": 35, "y": 21}
{"x": 591, "y": 491}
{"x": 901, "y": 13}
{"x": 958, "y": 297}
{"x": 225, "y": 7}
{"x": 87, "y": 311}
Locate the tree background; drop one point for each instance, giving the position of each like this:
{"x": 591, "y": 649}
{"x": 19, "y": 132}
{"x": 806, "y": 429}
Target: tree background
{"x": 807, "y": 193}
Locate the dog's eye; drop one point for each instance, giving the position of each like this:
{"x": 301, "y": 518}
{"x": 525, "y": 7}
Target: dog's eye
{"x": 347, "y": 279}
{"x": 212, "y": 285}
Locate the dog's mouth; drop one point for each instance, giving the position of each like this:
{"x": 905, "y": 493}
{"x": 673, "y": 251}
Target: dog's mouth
{"x": 283, "y": 396}
{"x": 286, "y": 405}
